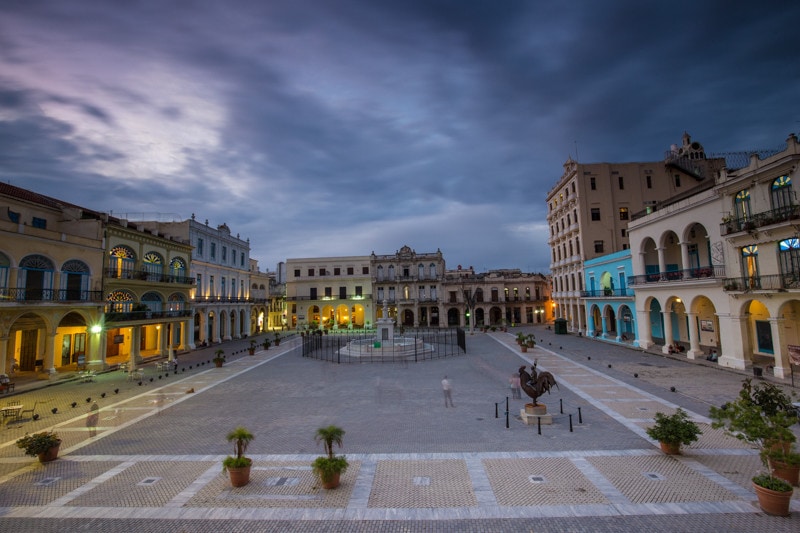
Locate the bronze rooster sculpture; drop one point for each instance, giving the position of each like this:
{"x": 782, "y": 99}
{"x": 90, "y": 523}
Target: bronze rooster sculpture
{"x": 536, "y": 383}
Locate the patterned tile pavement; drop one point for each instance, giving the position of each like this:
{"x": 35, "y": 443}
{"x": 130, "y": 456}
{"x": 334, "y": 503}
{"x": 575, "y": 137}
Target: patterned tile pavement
{"x": 414, "y": 466}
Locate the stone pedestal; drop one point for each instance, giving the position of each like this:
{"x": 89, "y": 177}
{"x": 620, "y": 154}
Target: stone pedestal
{"x": 533, "y": 414}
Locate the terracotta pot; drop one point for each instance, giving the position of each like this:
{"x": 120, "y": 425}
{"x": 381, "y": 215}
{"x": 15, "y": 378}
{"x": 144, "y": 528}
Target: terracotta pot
{"x": 524, "y": 349}
{"x": 785, "y": 471}
{"x": 671, "y": 448}
{"x": 218, "y": 364}
{"x": 239, "y": 476}
{"x": 773, "y": 502}
{"x": 252, "y": 351}
{"x": 50, "y": 455}
{"x": 332, "y": 483}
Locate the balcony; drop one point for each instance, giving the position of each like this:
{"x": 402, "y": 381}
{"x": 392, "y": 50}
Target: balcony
{"x": 608, "y": 293}
{"x": 50, "y": 295}
{"x": 223, "y": 299}
{"x": 771, "y": 282}
{"x": 143, "y": 275}
{"x": 760, "y": 220}
{"x": 130, "y": 316}
{"x": 689, "y": 274}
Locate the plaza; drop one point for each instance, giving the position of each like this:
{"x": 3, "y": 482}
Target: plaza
{"x": 155, "y": 464}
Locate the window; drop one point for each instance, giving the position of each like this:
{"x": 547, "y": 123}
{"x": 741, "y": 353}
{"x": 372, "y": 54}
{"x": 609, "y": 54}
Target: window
{"x": 297, "y": 272}
{"x": 621, "y": 183}
{"x": 750, "y": 267}
{"x": 323, "y": 272}
{"x": 365, "y": 270}
{"x": 649, "y": 180}
{"x": 39, "y": 223}
{"x": 782, "y": 193}
{"x": 241, "y": 259}
{"x": 359, "y": 291}
{"x": 337, "y": 271}
{"x": 624, "y": 246}
{"x": 593, "y": 183}
{"x": 311, "y": 272}
{"x": 790, "y": 263}
{"x": 741, "y": 204}
{"x": 211, "y": 290}
{"x": 199, "y": 247}
{"x": 677, "y": 180}
{"x": 342, "y": 293}
{"x": 199, "y": 283}
{"x": 350, "y": 271}
{"x": 598, "y": 247}
{"x": 213, "y": 250}
{"x": 624, "y": 232}
{"x": 595, "y": 213}
{"x": 13, "y": 217}
{"x": 312, "y": 293}
{"x": 623, "y": 213}
{"x": 328, "y": 292}
{"x": 224, "y": 253}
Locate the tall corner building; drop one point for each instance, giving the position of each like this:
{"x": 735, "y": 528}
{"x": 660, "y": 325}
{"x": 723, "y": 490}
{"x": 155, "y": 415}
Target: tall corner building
{"x": 589, "y": 208}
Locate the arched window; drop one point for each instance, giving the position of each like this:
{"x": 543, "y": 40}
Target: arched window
{"x": 153, "y": 264}
{"x": 391, "y": 272}
{"x": 741, "y": 204}
{"x": 421, "y": 271}
{"x": 5, "y": 266}
{"x": 782, "y": 193}
{"x": 380, "y": 272}
{"x": 177, "y": 268}
{"x": 176, "y": 302}
{"x": 750, "y": 266}
{"x": 121, "y": 262}
{"x": 153, "y": 301}
{"x": 74, "y": 281}
{"x": 432, "y": 271}
{"x": 120, "y": 301}
{"x": 789, "y": 251}
{"x": 36, "y": 278}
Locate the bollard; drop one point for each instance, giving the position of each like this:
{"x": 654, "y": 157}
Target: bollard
{"x": 539, "y": 424}
{"x": 496, "y": 410}
{"x": 580, "y": 417}
{"x": 507, "y": 426}
{"x": 570, "y": 422}
{"x": 506, "y": 404}
{"x": 561, "y": 405}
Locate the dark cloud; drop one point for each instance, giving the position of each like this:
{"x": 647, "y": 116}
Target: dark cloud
{"x": 341, "y": 127}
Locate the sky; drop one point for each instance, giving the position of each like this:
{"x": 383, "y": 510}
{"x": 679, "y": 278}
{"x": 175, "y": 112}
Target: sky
{"x": 318, "y": 128}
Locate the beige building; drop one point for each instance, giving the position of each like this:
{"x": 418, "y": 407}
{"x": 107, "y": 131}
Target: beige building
{"x": 589, "y": 208}
{"x": 329, "y": 292}
{"x": 719, "y": 270}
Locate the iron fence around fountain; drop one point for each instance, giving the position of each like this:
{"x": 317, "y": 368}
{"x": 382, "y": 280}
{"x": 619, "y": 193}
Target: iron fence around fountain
{"x": 411, "y": 345}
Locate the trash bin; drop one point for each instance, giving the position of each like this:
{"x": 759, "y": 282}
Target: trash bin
{"x": 560, "y": 326}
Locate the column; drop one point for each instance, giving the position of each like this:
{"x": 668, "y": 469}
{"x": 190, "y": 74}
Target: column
{"x": 667, "y": 331}
{"x": 662, "y": 262}
{"x": 590, "y": 327}
{"x": 136, "y": 340}
{"x": 50, "y": 352}
{"x": 694, "y": 337}
{"x": 5, "y": 360}
{"x": 619, "y": 327}
{"x": 685, "y": 257}
{"x": 605, "y": 326}
{"x": 186, "y": 334}
{"x": 781, "y": 355}
{"x": 734, "y": 345}
{"x": 164, "y": 343}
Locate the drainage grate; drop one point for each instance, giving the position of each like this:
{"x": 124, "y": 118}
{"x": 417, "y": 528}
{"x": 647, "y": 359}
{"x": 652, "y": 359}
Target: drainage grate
{"x": 148, "y": 481}
{"x": 643, "y": 408}
{"x": 282, "y": 481}
{"x": 537, "y": 479}
{"x": 654, "y": 476}
{"x": 422, "y": 481}
{"x": 47, "y": 481}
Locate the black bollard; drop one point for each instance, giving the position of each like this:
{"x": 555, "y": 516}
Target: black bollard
{"x": 561, "y": 405}
{"x": 496, "y": 410}
{"x": 570, "y": 422}
{"x": 507, "y": 426}
{"x": 580, "y": 417}
{"x": 539, "y": 424}
{"x": 506, "y": 404}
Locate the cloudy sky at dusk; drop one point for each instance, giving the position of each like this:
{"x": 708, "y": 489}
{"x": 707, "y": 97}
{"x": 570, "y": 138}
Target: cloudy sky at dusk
{"x": 342, "y": 127}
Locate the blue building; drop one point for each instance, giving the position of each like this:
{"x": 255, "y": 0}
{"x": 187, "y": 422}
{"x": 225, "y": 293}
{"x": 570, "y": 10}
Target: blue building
{"x": 608, "y": 299}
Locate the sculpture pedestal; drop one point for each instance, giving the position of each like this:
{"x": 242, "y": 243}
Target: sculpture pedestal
{"x": 534, "y": 414}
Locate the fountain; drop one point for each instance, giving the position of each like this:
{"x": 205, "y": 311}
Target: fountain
{"x": 386, "y": 343}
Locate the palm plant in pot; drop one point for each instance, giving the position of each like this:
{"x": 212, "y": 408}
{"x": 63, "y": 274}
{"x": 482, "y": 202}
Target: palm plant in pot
{"x": 252, "y": 348}
{"x": 672, "y": 431}
{"x": 238, "y": 467}
{"x": 330, "y": 467}
{"x": 44, "y": 445}
{"x": 266, "y": 344}
{"x": 219, "y": 357}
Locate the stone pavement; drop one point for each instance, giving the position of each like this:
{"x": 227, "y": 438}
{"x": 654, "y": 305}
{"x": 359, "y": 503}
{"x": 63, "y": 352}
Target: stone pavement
{"x": 155, "y": 464}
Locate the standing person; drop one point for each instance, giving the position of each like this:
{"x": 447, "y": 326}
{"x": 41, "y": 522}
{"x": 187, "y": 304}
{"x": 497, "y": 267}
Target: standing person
{"x": 92, "y": 418}
{"x": 515, "y": 387}
{"x": 448, "y": 389}
{"x": 175, "y": 361}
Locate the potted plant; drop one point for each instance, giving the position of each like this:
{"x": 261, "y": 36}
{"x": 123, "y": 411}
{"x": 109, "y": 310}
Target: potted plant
{"x": 44, "y": 445}
{"x": 783, "y": 464}
{"x": 774, "y": 494}
{"x": 277, "y": 339}
{"x": 530, "y": 341}
{"x": 219, "y": 357}
{"x": 330, "y": 467}
{"x": 238, "y": 468}
{"x": 672, "y": 431}
{"x": 252, "y": 349}
{"x": 521, "y": 342}
{"x": 266, "y": 344}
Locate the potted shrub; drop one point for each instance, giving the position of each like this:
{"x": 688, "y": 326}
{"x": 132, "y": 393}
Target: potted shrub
{"x": 266, "y": 344}
{"x": 774, "y": 494}
{"x": 783, "y": 464}
{"x": 277, "y": 339}
{"x": 530, "y": 341}
{"x": 521, "y": 342}
{"x": 44, "y": 445}
{"x": 330, "y": 467}
{"x": 219, "y": 357}
{"x": 672, "y": 431}
{"x": 252, "y": 349}
{"x": 238, "y": 468}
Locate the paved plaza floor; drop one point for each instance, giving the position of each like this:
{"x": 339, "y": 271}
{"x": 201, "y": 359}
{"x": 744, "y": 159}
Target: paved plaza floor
{"x": 415, "y": 465}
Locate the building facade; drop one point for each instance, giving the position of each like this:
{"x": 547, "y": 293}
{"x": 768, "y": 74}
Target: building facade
{"x": 589, "y": 208}
{"x": 610, "y": 305}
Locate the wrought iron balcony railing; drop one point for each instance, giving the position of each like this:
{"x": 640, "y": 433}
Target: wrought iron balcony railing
{"x": 608, "y": 293}
{"x": 143, "y": 275}
{"x": 770, "y": 282}
{"x": 127, "y": 316}
{"x": 689, "y": 274}
{"x": 759, "y": 220}
{"x": 50, "y": 295}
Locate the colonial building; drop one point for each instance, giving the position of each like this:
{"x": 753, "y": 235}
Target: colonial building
{"x": 411, "y": 284}
{"x": 610, "y": 306}
{"x": 718, "y": 271}
{"x": 497, "y": 297}
{"x": 329, "y": 292}
{"x": 223, "y": 309}
{"x": 590, "y": 207}
{"x": 269, "y": 299}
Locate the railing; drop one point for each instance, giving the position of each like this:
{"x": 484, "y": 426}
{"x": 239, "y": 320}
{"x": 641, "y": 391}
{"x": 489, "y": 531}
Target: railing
{"x": 145, "y": 315}
{"x": 143, "y": 275}
{"x": 689, "y": 274}
{"x": 607, "y": 293}
{"x": 331, "y": 298}
{"x": 770, "y": 282}
{"x": 222, "y": 299}
{"x": 758, "y": 220}
{"x": 50, "y": 295}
